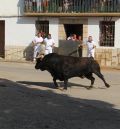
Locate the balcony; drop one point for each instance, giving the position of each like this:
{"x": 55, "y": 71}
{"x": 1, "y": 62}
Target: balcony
{"x": 72, "y": 7}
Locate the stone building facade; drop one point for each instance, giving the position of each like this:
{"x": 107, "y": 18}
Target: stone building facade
{"x": 18, "y": 26}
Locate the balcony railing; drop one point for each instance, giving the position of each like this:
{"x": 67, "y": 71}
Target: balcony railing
{"x": 71, "y": 6}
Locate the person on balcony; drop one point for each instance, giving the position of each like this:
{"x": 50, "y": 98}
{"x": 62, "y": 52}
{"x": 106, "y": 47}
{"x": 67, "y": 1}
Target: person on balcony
{"x": 34, "y": 5}
{"x": 60, "y": 6}
{"x": 66, "y": 6}
{"x": 39, "y": 5}
{"x": 118, "y": 5}
{"x": 45, "y": 5}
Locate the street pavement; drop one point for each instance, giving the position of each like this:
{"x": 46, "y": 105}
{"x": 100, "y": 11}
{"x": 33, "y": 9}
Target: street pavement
{"x": 28, "y": 100}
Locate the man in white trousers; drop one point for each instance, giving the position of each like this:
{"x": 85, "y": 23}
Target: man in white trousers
{"x": 49, "y": 44}
{"x": 91, "y": 47}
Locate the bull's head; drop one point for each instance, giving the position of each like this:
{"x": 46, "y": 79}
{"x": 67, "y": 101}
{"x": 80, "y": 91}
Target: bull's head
{"x": 40, "y": 64}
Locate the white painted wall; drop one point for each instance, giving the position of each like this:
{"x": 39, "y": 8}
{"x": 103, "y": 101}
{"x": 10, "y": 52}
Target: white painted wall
{"x": 117, "y": 33}
{"x": 53, "y": 29}
{"x": 93, "y": 30}
{"x": 19, "y": 31}
{"x": 11, "y": 7}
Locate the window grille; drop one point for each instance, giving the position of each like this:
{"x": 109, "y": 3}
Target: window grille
{"x": 107, "y": 32}
{"x": 42, "y": 26}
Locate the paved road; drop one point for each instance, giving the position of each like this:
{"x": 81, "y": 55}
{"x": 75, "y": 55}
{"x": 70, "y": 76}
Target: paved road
{"x": 29, "y": 101}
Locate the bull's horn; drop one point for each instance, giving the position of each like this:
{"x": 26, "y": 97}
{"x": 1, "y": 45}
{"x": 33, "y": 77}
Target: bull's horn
{"x": 40, "y": 56}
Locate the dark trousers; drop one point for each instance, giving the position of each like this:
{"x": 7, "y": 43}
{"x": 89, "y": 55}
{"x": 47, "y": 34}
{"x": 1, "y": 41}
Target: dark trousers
{"x": 80, "y": 51}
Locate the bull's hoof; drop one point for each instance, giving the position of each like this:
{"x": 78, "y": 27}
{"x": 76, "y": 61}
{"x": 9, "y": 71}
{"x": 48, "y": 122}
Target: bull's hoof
{"x": 65, "y": 88}
{"x": 62, "y": 89}
{"x": 56, "y": 87}
{"x": 107, "y": 85}
{"x": 90, "y": 87}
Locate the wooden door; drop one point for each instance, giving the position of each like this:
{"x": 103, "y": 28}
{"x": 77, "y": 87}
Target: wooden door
{"x": 2, "y": 39}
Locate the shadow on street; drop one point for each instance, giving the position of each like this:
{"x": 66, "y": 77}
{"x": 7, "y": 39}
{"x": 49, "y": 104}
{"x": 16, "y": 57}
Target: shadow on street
{"x": 25, "y": 108}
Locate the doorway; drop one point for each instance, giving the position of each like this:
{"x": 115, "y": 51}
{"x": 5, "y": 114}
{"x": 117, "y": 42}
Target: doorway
{"x": 2, "y": 39}
{"x": 73, "y": 29}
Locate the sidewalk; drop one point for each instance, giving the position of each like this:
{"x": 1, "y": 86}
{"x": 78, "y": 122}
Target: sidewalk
{"x": 32, "y": 62}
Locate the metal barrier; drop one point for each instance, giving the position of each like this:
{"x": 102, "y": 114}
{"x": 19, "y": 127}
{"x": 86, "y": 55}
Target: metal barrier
{"x": 68, "y": 47}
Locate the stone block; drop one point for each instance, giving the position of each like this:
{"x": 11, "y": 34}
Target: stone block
{"x": 99, "y": 50}
{"x": 108, "y": 56}
{"x": 98, "y": 55}
{"x": 118, "y": 59}
{"x": 114, "y": 53}
{"x": 115, "y": 60}
{"x": 114, "y": 64}
{"x": 103, "y": 62}
{"x": 14, "y": 53}
{"x": 118, "y": 50}
{"x": 103, "y": 56}
{"x": 108, "y": 63}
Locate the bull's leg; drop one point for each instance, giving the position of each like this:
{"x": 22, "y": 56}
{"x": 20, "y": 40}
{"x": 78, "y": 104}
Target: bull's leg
{"x": 102, "y": 77}
{"x": 55, "y": 83}
{"x": 65, "y": 84}
{"x": 90, "y": 77}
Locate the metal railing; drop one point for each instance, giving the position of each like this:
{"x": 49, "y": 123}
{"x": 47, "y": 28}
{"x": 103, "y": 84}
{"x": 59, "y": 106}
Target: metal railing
{"x": 107, "y": 33}
{"x": 72, "y": 6}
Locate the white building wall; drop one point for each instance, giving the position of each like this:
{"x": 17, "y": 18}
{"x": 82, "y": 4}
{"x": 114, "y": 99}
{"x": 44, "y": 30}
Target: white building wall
{"x": 19, "y": 31}
{"x": 53, "y": 29}
{"x": 93, "y": 29}
{"x": 117, "y": 33}
{"x": 11, "y": 7}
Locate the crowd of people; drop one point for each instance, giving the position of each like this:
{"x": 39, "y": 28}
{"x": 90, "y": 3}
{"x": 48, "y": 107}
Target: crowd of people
{"x": 90, "y": 45}
{"x": 71, "y": 5}
{"x": 43, "y": 45}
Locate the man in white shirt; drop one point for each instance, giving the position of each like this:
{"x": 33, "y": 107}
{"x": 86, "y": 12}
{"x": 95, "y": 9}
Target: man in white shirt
{"x": 49, "y": 44}
{"x": 36, "y": 42}
{"x": 91, "y": 47}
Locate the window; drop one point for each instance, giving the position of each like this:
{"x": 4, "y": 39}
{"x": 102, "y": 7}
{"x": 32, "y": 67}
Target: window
{"x": 107, "y": 32}
{"x": 42, "y": 26}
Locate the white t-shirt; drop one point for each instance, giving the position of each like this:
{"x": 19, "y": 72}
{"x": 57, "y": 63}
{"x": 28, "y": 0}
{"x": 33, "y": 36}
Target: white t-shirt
{"x": 49, "y": 43}
{"x": 90, "y": 46}
{"x": 37, "y": 39}
{"x": 91, "y": 49}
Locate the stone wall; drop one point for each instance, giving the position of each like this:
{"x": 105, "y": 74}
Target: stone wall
{"x": 19, "y": 53}
{"x": 108, "y": 57}
{"x": 105, "y": 57}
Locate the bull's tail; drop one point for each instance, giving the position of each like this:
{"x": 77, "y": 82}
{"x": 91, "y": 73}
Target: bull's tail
{"x": 96, "y": 70}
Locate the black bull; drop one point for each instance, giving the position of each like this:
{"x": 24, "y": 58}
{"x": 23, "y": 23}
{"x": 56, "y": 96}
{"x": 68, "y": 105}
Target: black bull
{"x": 64, "y": 67}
